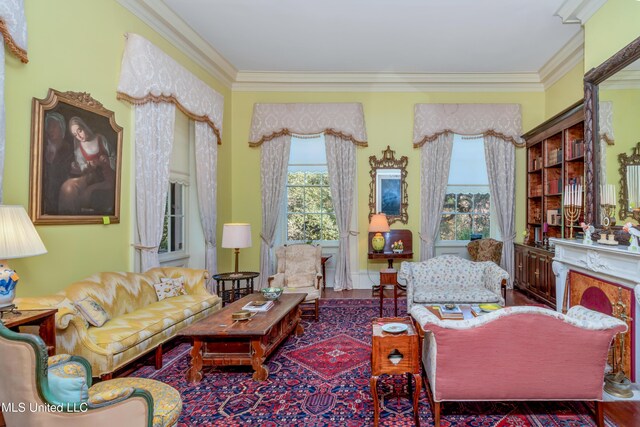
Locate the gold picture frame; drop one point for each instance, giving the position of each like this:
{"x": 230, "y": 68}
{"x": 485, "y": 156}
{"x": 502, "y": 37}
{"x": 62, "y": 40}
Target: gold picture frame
{"x": 76, "y": 159}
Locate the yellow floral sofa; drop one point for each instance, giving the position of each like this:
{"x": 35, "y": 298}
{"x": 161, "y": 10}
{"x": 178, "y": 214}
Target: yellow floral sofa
{"x": 138, "y": 322}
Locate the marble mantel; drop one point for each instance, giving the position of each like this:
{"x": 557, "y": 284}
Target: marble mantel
{"x": 614, "y": 264}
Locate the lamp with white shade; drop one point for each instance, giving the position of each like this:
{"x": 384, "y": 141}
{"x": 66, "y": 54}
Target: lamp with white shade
{"x": 236, "y": 235}
{"x": 378, "y": 224}
{"x": 18, "y": 239}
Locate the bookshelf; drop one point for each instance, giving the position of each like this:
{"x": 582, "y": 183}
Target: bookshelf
{"x": 555, "y": 158}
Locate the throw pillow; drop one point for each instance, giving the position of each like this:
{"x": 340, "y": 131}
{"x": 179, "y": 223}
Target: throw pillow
{"x": 168, "y": 290}
{"x": 92, "y": 311}
{"x": 68, "y": 382}
{"x": 177, "y": 281}
{"x": 301, "y": 280}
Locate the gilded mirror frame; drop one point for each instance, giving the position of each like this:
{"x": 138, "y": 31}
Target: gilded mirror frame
{"x": 592, "y": 79}
{"x": 388, "y": 161}
{"x": 625, "y": 160}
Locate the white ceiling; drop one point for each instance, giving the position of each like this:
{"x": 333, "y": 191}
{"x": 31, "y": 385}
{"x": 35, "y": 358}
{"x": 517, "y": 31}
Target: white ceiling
{"x": 379, "y": 36}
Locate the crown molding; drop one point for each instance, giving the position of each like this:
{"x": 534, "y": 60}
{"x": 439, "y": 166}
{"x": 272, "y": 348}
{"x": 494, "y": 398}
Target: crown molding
{"x": 578, "y": 11}
{"x": 570, "y": 55}
{"x": 247, "y": 81}
{"x": 625, "y": 79}
{"x": 163, "y": 20}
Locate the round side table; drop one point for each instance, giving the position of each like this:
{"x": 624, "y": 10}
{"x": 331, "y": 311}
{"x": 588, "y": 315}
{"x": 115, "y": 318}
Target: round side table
{"x": 241, "y": 285}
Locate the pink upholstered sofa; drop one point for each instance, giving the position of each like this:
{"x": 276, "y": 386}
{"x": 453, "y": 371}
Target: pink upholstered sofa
{"x": 517, "y": 353}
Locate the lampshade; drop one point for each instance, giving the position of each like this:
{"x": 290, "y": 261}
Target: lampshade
{"x": 379, "y": 223}
{"x": 18, "y": 236}
{"x": 236, "y": 235}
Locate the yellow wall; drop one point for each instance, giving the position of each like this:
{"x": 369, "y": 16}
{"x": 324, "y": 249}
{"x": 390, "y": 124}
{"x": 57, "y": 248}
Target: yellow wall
{"x": 77, "y": 45}
{"x": 565, "y": 92}
{"x": 389, "y": 121}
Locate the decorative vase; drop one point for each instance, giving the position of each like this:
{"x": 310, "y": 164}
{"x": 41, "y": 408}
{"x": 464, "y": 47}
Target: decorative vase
{"x": 377, "y": 242}
{"x": 633, "y": 246}
{"x": 8, "y": 282}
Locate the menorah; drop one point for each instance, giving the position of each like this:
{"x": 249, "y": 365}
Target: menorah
{"x": 571, "y": 215}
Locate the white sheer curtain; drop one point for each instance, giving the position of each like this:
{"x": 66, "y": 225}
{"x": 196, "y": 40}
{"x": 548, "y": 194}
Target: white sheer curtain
{"x": 206, "y": 173}
{"x": 500, "y": 157}
{"x": 341, "y": 162}
{"x": 154, "y": 138}
{"x": 274, "y": 160}
{"x": 435, "y": 162}
{"x": 13, "y": 35}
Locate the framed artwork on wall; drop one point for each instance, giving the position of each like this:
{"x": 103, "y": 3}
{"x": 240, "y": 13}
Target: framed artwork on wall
{"x": 76, "y": 156}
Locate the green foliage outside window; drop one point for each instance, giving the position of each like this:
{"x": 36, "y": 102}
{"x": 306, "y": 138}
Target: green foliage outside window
{"x": 465, "y": 214}
{"x": 310, "y": 214}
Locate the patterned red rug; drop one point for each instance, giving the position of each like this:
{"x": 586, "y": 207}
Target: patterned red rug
{"x": 322, "y": 379}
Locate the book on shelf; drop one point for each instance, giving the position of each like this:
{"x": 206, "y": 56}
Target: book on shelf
{"x": 450, "y": 313}
{"x": 258, "y": 306}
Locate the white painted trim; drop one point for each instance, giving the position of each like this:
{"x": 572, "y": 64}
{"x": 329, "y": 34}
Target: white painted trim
{"x": 169, "y": 25}
{"x": 247, "y": 81}
{"x": 563, "y": 61}
{"x": 578, "y": 11}
{"x": 625, "y": 79}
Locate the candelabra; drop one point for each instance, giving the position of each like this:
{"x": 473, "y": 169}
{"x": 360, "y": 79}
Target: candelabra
{"x": 571, "y": 214}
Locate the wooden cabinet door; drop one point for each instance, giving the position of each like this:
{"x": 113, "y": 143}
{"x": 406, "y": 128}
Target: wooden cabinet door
{"x": 520, "y": 274}
{"x": 550, "y": 280}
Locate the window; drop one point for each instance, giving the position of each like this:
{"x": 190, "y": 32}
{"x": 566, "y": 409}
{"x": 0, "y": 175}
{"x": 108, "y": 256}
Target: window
{"x": 173, "y": 230}
{"x": 309, "y": 209}
{"x": 467, "y": 204}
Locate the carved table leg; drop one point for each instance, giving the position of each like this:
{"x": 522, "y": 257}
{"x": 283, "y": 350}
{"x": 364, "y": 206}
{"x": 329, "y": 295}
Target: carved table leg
{"x": 194, "y": 373}
{"x": 376, "y": 403}
{"x": 299, "y": 329}
{"x": 257, "y": 359}
{"x": 416, "y": 398}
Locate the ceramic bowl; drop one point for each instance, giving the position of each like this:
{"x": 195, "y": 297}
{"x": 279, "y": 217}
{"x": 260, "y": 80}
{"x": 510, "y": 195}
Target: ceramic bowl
{"x": 271, "y": 294}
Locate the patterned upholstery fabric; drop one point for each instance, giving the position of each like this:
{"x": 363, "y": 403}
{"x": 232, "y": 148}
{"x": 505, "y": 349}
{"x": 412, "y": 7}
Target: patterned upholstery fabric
{"x": 452, "y": 279}
{"x": 485, "y": 250}
{"x": 167, "y": 403}
{"x": 68, "y": 381}
{"x": 92, "y": 311}
{"x": 138, "y": 321}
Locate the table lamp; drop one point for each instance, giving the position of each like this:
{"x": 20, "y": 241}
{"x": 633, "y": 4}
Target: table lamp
{"x": 18, "y": 239}
{"x": 378, "y": 225}
{"x": 236, "y": 235}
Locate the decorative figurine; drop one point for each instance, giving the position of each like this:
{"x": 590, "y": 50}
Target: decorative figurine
{"x": 633, "y": 243}
{"x": 588, "y": 229}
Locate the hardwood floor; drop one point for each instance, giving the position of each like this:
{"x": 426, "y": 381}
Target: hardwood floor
{"x": 623, "y": 414}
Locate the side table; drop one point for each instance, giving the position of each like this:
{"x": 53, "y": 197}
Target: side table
{"x": 389, "y": 277}
{"x": 406, "y": 350}
{"x": 44, "y": 319}
{"x": 241, "y": 285}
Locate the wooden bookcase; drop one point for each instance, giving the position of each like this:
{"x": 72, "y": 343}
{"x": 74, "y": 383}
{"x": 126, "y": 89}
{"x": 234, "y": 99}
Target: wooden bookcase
{"x": 555, "y": 158}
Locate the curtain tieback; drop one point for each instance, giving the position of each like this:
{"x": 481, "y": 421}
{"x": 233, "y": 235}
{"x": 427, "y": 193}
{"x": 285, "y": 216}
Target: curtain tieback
{"x": 427, "y": 240}
{"x": 511, "y": 238}
{"x": 211, "y": 245}
{"x": 266, "y": 242}
{"x": 348, "y": 234}
{"x": 144, "y": 248}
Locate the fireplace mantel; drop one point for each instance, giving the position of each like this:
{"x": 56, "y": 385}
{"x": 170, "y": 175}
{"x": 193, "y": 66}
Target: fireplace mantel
{"x": 614, "y": 264}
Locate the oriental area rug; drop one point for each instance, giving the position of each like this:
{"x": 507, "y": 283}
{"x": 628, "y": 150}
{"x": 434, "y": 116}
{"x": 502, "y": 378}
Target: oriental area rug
{"x": 321, "y": 378}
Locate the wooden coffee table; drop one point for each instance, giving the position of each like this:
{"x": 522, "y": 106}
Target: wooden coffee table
{"x": 220, "y": 341}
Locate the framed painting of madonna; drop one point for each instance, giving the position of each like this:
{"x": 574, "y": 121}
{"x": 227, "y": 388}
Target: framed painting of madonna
{"x": 76, "y": 151}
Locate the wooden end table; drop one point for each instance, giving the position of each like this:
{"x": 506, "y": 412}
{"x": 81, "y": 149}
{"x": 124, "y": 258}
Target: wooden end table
{"x": 408, "y": 345}
{"x": 389, "y": 277}
{"x": 218, "y": 340}
{"x": 45, "y": 319}
{"x": 237, "y": 291}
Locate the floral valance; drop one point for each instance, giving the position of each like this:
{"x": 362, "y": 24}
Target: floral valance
{"x": 13, "y": 27}
{"x": 501, "y": 120}
{"x": 150, "y": 75}
{"x": 343, "y": 120}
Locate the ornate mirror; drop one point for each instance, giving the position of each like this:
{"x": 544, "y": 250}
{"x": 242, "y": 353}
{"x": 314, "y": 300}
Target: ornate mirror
{"x": 608, "y": 92}
{"x": 630, "y": 184}
{"x": 388, "y": 187}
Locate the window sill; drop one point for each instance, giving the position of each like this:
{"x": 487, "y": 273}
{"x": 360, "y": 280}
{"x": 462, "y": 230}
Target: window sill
{"x": 451, "y": 243}
{"x": 173, "y": 256}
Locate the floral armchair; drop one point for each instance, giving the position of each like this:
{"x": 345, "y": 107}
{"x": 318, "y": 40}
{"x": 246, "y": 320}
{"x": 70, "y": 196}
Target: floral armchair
{"x": 300, "y": 271}
{"x": 485, "y": 250}
{"x": 451, "y": 279}
{"x": 31, "y": 380}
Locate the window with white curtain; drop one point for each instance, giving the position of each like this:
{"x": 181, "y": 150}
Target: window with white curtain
{"x": 467, "y": 205}
{"x": 308, "y": 207}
